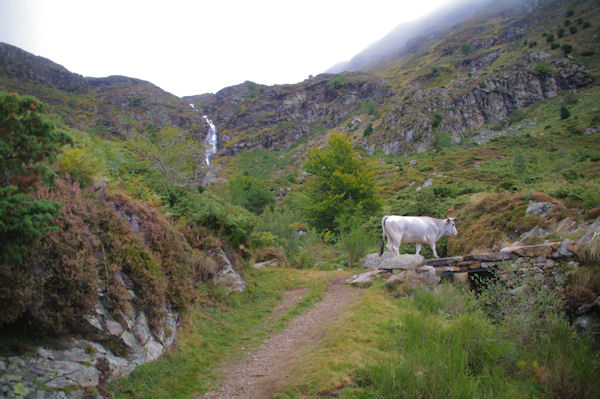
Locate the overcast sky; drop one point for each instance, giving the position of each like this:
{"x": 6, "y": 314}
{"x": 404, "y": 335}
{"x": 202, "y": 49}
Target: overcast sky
{"x": 194, "y": 47}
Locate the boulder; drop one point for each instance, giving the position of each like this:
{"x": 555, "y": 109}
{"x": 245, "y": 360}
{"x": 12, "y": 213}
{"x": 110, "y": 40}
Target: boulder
{"x": 540, "y": 209}
{"x": 373, "y": 260}
{"x": 226, "y": 276}
{"x": 592, "y": 234}
{"x": 427, "y": 275}
{"x": 404, "y": 262}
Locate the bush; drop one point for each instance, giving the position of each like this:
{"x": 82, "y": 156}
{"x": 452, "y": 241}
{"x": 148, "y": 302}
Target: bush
{"x": 436, "y": 119}
{"x": 532, "y": 44}
{"x": 519, "y": 164}
{"x": 554, "y": 46}
{"x": 560, "y": 32}
{"x": 567, "y": 22}
{"x": 573, "y": 29}
{"x": 586, "y": 25}
{"x": 368, "y": 130}
{"x": 549, "y": 38}
{"x": 442, "y": 140}
{"x": 466, "y": 49}
{"x": 567, "y": 48}
{"x": 569, "y": 13}
{"x": 564, "y": 112}
{"x": 249, "y": 192}
{"x": 205, "y": 212}
{"x": 355, "y": 242}
{"x": 516, "y": 115}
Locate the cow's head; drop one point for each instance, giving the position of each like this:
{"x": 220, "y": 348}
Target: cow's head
{"x": 450, "y": 227}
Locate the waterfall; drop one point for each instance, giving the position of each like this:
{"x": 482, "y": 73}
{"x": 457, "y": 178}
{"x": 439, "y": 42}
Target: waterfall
{"x": 210, "y": 140}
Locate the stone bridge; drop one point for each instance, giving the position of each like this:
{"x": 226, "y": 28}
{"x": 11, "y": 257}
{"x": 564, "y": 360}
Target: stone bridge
{"x": 543, "y": 260}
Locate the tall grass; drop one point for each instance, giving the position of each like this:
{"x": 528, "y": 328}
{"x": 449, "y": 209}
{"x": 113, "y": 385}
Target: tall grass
{"x": 445, "y": 346}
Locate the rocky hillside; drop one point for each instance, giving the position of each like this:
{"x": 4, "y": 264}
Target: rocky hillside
{"x": 446, "y": 80}
{"x": 114, "y": 105}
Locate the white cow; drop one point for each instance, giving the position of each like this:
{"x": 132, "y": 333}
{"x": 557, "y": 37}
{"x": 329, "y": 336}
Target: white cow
{"x": 414, "y": 230}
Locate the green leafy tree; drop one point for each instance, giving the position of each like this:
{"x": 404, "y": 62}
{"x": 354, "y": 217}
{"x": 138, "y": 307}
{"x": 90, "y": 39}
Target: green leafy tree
{"x": 343, "y": 185}
{"x": 174, "y": 157}
{"x": 27, "y": 139}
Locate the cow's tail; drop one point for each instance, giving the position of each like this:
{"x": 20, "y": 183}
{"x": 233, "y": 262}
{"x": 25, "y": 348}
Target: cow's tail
{"x": 383, "y": 235}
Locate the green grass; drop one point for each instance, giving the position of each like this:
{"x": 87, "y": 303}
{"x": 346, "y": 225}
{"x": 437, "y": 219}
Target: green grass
{"x": 439, "y": 343}
{"x": 218, "y": 329}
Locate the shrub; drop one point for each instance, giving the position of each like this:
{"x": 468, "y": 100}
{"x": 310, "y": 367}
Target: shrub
{"x": 466, "y": 48}
{"x": 586, "y": 25}
{"x": 587, "y": 53}
{"x": 519, "y": 164}
{"x": 569, "y": 13}
{"x": 436, "y": 119}
{"x": 567, "y": 48}
{"x": 249, "y": 192}
{"x": 567, "y": 22}
{"x": 549, "y": 38}
{"x": 554, "y": 46}
{"x": 516, "y": 115}
{"x": 354, "y": 242}
{"x": 206, "y": 212}
{"x": 368, "y": 130}
{"x": 564, "y": 112}
{"x": 442, "y": 140}
{"x": 573, "y": 29}
{"x": 560, "y": 32}
{"x": 532, "y": 44}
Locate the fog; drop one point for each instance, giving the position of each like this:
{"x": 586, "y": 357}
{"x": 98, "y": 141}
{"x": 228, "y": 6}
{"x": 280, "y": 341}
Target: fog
{"x": 410, "y": 37}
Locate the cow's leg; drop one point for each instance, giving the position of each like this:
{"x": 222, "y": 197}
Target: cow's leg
{"x": 390, "y": 244}
{"x": 433, "y": 249}
{"x": 418, "y": 248}
{"x": 396, "y": 246}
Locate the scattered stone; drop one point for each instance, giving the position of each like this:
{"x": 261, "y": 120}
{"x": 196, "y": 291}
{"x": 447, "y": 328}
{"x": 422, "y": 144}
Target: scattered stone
{"x": 363, "y": 279}
{"x": 272, "y": 262}
{"x": 529, "y": 250}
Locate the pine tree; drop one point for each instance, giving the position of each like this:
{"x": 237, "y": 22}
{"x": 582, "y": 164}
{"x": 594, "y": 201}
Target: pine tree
{"x": 564, "y": 112}
{"x": 27, "y": 138}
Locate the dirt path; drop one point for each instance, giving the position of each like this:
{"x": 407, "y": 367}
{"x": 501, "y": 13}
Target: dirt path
{"x": 259, "y": 376}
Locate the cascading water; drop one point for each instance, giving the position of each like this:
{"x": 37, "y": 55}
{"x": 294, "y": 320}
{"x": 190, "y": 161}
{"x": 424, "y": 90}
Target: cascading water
{"x": 211, "y": 138}
{"x": 210, "y": 141}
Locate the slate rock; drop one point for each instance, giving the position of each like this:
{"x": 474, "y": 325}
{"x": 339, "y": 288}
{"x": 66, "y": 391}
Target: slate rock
{"x": 404, "y": 262}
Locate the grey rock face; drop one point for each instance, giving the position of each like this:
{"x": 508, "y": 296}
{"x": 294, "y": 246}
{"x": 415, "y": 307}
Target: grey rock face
{"x": 226, "y": 275}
